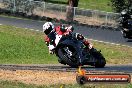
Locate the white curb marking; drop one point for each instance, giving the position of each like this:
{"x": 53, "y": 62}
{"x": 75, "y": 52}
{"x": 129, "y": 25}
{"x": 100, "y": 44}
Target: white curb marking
{"x": 26, "y": 28}
{"x": 36, "y": 30}
{"x": 110, "y": 43}
{"x": 31, "y": 29}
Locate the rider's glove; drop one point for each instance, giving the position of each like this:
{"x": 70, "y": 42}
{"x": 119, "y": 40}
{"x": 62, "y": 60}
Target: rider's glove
{"x": 47, "y": 43}
{"x": 51, "y": 52}
{"x": 79, "y": 36}
{"x": 90, "y": 45}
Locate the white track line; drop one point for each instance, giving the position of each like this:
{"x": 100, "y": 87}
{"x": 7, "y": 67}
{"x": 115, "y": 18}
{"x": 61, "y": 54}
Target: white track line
{"x": 17, "y": 27}
{"x": 37, "y": 30}
{"x": 31, "y": 29}
{"x": 110, "y": 43}
{"x": 26, "y": 28}
{"x": 1, "y": 24}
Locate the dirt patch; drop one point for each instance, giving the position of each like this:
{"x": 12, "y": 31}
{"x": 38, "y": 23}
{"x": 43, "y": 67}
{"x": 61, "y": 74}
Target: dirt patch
{"x": 39, "y": 77}
{"x": 94, "y": 20}
{"x": 2, "y": 5}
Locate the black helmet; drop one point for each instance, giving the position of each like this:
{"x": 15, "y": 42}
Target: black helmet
{"x": 123, "y": 13}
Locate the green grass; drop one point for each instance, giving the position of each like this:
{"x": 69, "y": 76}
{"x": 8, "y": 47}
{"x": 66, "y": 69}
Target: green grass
{"x": 15, "y": 84}
{"x": 115, "y": 54}
{"x": 103, "y": 5}
{"x": 10, "y": 84}
{"x": 23, "y": 46}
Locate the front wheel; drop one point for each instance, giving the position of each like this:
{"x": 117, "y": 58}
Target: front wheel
{"x": 124, "y": 34}
{"x": 100, "y": 63}
{"x": 99, "y": 59}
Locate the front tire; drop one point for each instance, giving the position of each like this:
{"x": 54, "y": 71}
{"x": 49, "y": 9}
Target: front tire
{"x": 124, "y": 35}
{"x": 100, "y": 63}
{"x": 99, "y": 59}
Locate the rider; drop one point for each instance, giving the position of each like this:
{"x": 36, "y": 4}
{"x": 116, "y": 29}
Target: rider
{"x": 48, "y": 28}
{"x": 57, "y": 32}
{"x": 125, "y": 16}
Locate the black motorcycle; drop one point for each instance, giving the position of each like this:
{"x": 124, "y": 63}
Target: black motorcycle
{"x": 73, "y": 53}
{"x": 125, "y": 23}
{"x": 127, "y": 31}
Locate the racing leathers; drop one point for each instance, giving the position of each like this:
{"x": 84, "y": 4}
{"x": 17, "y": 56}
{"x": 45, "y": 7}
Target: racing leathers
{"x": 53, "y": 39}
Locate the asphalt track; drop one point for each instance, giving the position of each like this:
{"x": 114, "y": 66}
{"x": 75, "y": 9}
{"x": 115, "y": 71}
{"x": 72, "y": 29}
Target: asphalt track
{"x": 58, "y": 67}
{"x": 105, "y": 35}
{"x": 109, "y": 36}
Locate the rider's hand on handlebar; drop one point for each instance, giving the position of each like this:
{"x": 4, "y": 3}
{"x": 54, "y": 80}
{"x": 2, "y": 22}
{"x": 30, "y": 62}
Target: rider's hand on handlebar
{"x": 90, "y": 45}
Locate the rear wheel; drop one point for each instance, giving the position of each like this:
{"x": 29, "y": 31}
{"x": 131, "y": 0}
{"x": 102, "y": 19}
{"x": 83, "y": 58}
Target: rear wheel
{"x": 69, "y": 55}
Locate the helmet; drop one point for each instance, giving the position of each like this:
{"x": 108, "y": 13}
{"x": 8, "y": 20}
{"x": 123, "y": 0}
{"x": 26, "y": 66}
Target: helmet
{"x": 48, "y": 27}
{"x": 123, "y": 13}
{"x": 71, "y": 28}
{"x": 80, "y": 36}
{"x": 62, "y": 28}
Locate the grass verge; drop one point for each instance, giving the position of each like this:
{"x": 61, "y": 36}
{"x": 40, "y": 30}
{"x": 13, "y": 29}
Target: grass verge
{"x": 103, "y": 5}
{"x": 15, "y": 84}
{"x": 115, "y": 54}
{"x": 23, "y": 46}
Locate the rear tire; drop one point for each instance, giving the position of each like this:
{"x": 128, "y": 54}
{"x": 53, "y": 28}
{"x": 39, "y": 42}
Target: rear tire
{"x": 73, "y": 60}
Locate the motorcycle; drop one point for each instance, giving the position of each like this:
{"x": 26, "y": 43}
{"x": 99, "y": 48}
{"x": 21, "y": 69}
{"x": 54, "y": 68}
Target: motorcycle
{"x": 127, "y": 32}
{"x": 125, "y": 22}
{"x": 72, "y": 52}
